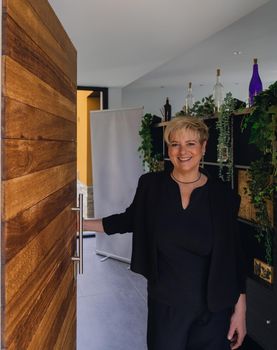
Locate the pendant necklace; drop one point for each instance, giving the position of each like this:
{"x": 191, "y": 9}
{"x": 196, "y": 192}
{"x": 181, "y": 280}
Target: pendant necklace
{"x": 186, "y": 182}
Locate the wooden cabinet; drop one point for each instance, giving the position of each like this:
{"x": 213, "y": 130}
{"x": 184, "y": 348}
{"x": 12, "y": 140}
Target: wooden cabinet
{"x": 262, "y": 314}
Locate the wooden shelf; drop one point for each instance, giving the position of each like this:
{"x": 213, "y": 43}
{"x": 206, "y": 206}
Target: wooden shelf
{"x": 248, "y": 110}
{"x": 240, "y": 112}
{"x": 161, "y": 124}
{"x": 165, "y": 123}
{"x": 244, "y": 111}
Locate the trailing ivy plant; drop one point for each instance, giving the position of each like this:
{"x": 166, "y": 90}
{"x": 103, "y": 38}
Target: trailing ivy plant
{"x": 260, "y": 189}
{"x": 150, "y": 161}
{"x": 225, "y": 139}
{"x": 262, "y": 172}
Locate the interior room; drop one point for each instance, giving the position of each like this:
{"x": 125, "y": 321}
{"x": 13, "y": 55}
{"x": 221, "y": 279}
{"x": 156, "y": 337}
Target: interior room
{"x": 88, "y": 90}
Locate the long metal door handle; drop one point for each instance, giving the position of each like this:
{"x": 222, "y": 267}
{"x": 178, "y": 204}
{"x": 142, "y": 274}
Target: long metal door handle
{"x": 79, "y": 256}
{"x": 81, "y": 246}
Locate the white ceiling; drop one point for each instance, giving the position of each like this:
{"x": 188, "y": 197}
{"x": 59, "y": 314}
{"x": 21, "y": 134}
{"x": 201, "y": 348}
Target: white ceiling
{"x": 167, "y": 42}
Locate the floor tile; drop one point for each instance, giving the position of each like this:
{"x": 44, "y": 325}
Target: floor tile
{"x": 111, "y": 305}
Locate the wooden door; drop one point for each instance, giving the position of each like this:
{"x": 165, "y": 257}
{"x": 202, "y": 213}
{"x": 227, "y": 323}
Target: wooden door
{"x": 38, "y": 179}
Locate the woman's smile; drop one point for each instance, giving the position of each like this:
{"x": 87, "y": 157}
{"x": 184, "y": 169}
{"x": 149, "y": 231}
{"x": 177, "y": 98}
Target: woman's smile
{"x": 184, "y": 159}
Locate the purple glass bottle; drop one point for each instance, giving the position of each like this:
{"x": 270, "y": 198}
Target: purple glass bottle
{"x": 255, "y": 85}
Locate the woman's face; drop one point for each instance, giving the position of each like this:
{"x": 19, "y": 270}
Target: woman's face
{"x": 185, "y": 150}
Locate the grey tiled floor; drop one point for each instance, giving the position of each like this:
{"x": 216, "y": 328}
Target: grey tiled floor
{"x": 111, "y": 305}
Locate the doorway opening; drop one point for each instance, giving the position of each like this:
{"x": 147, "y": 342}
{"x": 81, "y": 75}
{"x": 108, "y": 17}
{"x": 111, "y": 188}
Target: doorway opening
{"x": 89, "y": 98}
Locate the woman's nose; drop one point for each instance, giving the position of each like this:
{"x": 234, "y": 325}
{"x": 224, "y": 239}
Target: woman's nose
{"x": 183, "y": 149}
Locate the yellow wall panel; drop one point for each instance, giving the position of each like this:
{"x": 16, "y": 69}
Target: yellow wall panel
{"x": 85, "y": 104}
{"x": 93, "y": 104}
{"x": 82, "y": 127}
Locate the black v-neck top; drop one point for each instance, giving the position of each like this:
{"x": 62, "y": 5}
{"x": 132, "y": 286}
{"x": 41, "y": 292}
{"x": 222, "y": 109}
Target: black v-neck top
{"x": 227, "y": 266}
{"x": 184, "y": 244}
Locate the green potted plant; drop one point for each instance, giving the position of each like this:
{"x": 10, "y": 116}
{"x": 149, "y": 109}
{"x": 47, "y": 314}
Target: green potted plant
{"x": 202, "y": 108}
{"x": 151, "y": 161}
{"x": 262, "y": 173}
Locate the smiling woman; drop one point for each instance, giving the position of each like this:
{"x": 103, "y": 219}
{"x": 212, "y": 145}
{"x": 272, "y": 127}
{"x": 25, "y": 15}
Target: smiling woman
{"x": 186, "y": 243}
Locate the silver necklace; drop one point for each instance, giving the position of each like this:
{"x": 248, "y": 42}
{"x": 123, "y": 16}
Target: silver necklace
{"x": 185, "y": 182}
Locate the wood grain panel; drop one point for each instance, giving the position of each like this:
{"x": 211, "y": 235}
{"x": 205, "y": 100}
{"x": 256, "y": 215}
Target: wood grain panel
{"x": 22, "y": 121}
{"x": 34, "y": 187}
{"x": 27, "y": 224}
{"x": 19, "y": 47}
{"x": 60, "y": 302}
{"x": 51, "y": 21}
{"x": 24, "y": 264}
{"x": 28, "y": 306}
{"x": 21, "y": 157}
{"x": 66, "y": 340}
{"x": 70, "y": 340}
{"x": 38, "y": 129}
{"x": 25, "y": 87}
{"x": 24, "y": 14}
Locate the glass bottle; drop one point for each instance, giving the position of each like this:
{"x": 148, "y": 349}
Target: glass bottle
{"x": 167, "y": 110}
{"x": 255, "y": 85}
{"x": 218, "y": 91}
{"x": 189, "y": 99}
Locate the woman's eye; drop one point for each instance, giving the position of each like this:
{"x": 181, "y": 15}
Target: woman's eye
{"x": 174, "y": 144}
{"x": 191, "y": 144}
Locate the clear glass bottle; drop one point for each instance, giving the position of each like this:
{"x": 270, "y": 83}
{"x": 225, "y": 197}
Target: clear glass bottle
{"x": 255, "y": 85}
{"x": 218, "y": 91}
{"x": 189, "y": 99}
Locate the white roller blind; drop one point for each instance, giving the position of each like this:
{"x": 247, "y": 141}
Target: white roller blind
{"x": 116, "y": 169}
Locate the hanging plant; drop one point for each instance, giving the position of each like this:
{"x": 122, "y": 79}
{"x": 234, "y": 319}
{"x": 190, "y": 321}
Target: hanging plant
{"x": 225, "y": 139}
{"x": 151, "y": 162}
{"x": 260, "y": 189}
{"x": 262, "y": 172}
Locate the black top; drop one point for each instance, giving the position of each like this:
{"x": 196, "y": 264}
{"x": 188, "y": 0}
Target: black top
{"x": 184, "y": 243}
{"x": 227, "y": 270}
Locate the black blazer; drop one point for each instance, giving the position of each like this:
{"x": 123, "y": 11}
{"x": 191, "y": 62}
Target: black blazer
{"x": 226, "y": 280}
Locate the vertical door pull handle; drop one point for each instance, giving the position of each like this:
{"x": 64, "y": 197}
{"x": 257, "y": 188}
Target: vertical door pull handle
{"x": 79, "y": 255}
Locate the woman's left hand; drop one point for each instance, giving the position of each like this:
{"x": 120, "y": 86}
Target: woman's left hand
{"x": 237, "y": 329}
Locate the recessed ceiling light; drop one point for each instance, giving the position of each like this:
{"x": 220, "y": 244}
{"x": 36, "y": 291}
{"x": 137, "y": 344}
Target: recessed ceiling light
{"x": 237, "y": 52}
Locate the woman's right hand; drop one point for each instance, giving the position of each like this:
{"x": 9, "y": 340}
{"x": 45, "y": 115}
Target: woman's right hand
{"x": 94, "y": 225}
{"x": 237, "y": 330}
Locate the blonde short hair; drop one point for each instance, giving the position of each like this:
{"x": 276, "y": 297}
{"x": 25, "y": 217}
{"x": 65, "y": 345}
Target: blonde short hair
{"x": 187, "y": 123}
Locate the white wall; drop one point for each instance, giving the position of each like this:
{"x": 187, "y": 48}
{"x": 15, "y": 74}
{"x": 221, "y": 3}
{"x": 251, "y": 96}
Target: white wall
{"x": 115, "y": 98}
{"x": 153, "y": 99}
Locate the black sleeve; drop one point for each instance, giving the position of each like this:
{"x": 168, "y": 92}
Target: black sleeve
{"x": 123, "y": 222}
